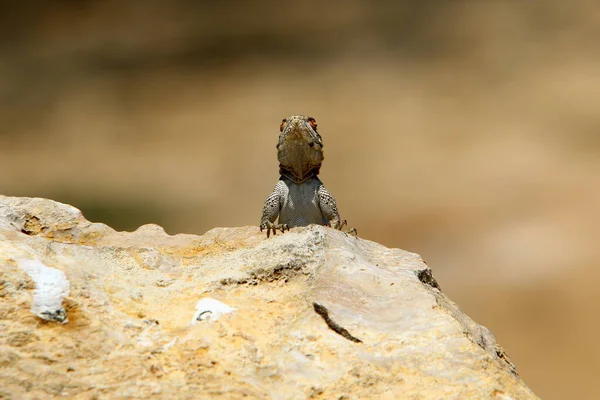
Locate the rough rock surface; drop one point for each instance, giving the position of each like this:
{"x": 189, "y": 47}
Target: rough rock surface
{"x": 312, "y": 313}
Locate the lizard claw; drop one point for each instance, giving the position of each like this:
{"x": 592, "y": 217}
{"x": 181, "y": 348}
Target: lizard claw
{"x": 271, "y": 227}
{"x": 340, "y": 227}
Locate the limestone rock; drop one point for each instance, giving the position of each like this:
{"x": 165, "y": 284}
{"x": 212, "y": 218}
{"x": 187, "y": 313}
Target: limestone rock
{"x": 312, "y": 313}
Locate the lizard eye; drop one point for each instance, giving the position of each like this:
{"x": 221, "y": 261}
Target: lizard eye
{"x": 312, "y": 123}
{"x": 283, "y": 122}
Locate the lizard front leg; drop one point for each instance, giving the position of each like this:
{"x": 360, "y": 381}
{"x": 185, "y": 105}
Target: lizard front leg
{"x": 329, "y": 208}
{"x": 271, "y": 211}
{"x": 330, "y": 211}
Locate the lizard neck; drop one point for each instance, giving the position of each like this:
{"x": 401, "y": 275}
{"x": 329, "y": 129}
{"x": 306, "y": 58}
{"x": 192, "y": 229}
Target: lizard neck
{"x": 298, "y": 180}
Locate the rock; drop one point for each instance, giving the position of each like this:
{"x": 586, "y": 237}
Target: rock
{"x": 312, "y": 313}
{"x": 51, "y": 287}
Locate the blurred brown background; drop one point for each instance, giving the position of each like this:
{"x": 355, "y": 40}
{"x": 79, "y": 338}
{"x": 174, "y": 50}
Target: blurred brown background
{"x": 465, "y": 131}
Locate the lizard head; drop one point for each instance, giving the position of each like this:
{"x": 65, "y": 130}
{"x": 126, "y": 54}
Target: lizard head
{"x": 300, "y": 148}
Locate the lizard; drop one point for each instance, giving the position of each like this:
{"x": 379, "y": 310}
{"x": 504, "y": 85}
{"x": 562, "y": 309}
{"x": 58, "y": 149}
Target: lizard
{"x": 299, "y": 197}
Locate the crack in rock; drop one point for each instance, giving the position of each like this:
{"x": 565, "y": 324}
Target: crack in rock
{"x": 323, "y": 312}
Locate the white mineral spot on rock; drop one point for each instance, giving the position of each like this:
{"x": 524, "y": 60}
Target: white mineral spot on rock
{"x": 51, "y": 287}
{"x": 210, "y": 309}
{"x": 170, "y": 344}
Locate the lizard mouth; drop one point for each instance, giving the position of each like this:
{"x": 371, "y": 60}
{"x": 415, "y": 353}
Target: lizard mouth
{"x": 301, "y": 128}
